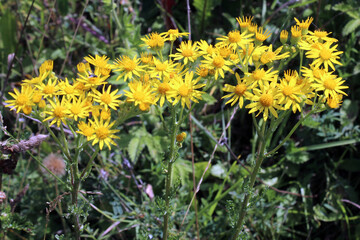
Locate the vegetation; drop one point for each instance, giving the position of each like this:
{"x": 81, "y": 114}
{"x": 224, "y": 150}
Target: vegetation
{"x": 179, "y": 120}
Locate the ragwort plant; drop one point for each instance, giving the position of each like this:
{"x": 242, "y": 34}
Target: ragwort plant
{"x": 92, "y": 110}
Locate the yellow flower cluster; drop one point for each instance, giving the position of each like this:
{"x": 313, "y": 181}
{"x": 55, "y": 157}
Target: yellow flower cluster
{"x": 77, "y": 103}
{"x": 262, "y": 85}
{"x": 156, "y": 78}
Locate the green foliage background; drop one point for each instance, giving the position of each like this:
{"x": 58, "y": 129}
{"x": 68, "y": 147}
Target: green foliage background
{"x": 309, "y": 190}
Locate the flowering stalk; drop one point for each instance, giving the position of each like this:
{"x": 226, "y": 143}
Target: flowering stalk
{"x": 264, "y": 136}
{"x": 174, "y": 130}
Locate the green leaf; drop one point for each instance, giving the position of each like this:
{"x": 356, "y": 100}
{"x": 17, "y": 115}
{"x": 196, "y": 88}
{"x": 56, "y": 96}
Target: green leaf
{"x": 321, "y": 213}
{"x": 63, "y": 6}
{"x": 182, "y": 170}
{"x": 8, "y": 32}
{"x": 218, "y": 170}
{"x": 348, "y": 9}
{"x": 209, "y": 99}
{"x": 350, "y": 26}
{"x": 134, "y": 148}
{"x": 199, "y": 169}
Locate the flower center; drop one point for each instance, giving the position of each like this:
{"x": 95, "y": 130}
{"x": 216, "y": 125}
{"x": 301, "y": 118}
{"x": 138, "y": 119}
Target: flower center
{"x": 161, "y": 66}
{"x": 69, "y": 90}
{"x": 49, "y": 89}
{"x": 325, "y": 54}
{"x": 106, "y": 98}
{"x": 59, "y": 111}
{"x": 203, "y": 72}
{"x": 102, "y": 132}
{"x": 129, "y": 65}
{"x": 139, "y": 96}
{"x": 330, "y": 84}
{"x": 163, "y": 88}
{"x": 258, "y": 74}
{"x": 320, "y": 34}
{"x": 187, "y": 53}
{"x": 22, "y": 99}
{"x": 218, "y": 62}
{"x": 240, "y": 89}
{"x": 266, "y": 100}
{"x": 184, "y": 91}
{"x": 234, "y": 37}
{"x": 88, "y": 131}
{"x": 288, "y": 90}
{"x": 93, "y": 80}
{"x": 75, "y": 109}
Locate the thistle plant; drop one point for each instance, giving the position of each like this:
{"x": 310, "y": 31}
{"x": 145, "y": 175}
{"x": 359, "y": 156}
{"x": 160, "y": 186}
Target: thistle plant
{"x": 88, "y": 109}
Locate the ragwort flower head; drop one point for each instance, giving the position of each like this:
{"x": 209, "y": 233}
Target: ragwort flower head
{"x": 140, "y": 94}
{"x": 107, "y": 98}
{"x": 326, "y": 55}
{"x": 103, "y": 134}
{"x": 186, "y": 90}
{"x": 57, "y": 112}
{"x": 173, "y": 34}
{"x": 237, "y": 93}
{"x": 187, "y": 51}
{"x": 154, "y": 41}
{"x": 265, "y": 100}
{"x": 128, "y": 67}
{"x": 22, "y": 100}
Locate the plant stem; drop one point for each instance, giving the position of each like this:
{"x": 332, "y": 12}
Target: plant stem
{"x": 174, "y": 127}
{"x": 245, "y": 202}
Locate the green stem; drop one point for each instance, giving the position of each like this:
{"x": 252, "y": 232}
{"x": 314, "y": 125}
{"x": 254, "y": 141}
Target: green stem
{"x": 87, "y": 169}
{"x": 292, "y": 131}
{"x": 245, "y": 202}
{"x": 169, "y": 172}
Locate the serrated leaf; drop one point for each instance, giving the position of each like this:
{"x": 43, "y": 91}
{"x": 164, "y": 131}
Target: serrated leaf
{"x": 351, "y": 26}
{"x": 348, "y": 9}
{"x": 199, "y": 169}
{"x": 134, "y": 148}
{"x": 209, "y": 99}
{"x": 182, "y": 170}
{"x": 154, "y": 146}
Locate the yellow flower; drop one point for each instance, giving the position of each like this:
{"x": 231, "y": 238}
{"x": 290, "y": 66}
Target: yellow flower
{"x": 106, "y": 98}
{"x": 202, "y": 71}
{"x": 234, "y": 39}
{"x": 205, "y": 49}
{"x": 313, "y": 73}
{"x": 261, "y": 36}
{"x": 253, "y": 28}
{"x": 295, "y": 34}
{"x": 244, "y": 22}
{"x": 270, "y": 56}
{"x": 46, "y": 67}
{"x": 290, "y": 94}
{"x": 173, "y": 34}
{"x": 92, "y": 80}
{"x": 86, "y": 129}
{"x": 185, "y": 90}
{"x": 154, "y": 41}
{"x": 304, "y": 25}
{"x": 128, "y": 67}
{"x": 103, "y": 133}
{"x": 320, "y": 36}
{"x": 334, "y": 102}
{"x": 326, "y": 55}
{"x": 57, "y": 112}
{"x": 265, "y": 99}
{"x": 48, "y": 90}
{"x": 146, "y": 58}
{"x": 187, "y": 51}
{"x": 260, "y": 76}
{"x": 21, "y": 99}
{"x": 217, "y": 63}
{"x": 139, "y": 94}
{"x": 162, "y": 91}
{"x": 284, "y": 35}
{"x": 68, "y": 90}
{"x": 238, "y": 92}
{"x": 35, "y": 81}
{"x": 97, "y": 61}
{"x": 77, "y": 108}
{"x": 330, "y": 84}
{"x": 162, "y": 68}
